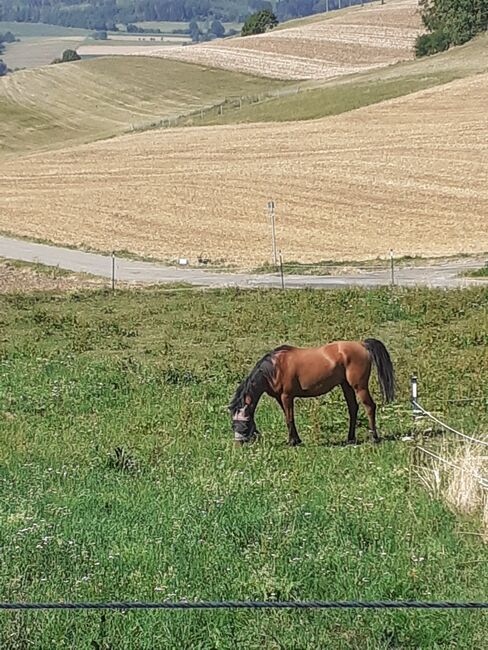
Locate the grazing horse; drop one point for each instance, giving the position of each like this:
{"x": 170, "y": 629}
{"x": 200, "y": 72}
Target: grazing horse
{"x": 288, "y": 372}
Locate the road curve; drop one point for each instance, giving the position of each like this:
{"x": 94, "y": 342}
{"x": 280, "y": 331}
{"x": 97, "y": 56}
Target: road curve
{"x": 132, "y": 271}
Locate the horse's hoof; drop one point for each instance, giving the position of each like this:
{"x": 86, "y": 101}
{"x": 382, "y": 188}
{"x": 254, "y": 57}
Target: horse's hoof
{"x": 294, "y": 443}
{"x": 376, "y": 441}
{"x": 351, "y": 442}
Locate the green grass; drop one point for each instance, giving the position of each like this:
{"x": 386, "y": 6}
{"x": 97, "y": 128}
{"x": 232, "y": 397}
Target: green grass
{"x": 479, "y": 273}
{"x": 180, "y": 513}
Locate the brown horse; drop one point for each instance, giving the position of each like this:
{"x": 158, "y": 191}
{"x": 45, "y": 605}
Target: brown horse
{"x": 288, "y": 372}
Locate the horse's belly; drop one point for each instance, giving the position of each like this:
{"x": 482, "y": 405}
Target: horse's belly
{"x": 314, "y": 389}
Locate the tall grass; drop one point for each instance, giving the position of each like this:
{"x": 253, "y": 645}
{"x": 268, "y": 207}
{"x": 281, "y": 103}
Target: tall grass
{"x": 119, "y": 480}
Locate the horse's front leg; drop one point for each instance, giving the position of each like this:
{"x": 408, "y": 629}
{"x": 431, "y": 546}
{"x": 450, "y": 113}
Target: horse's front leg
{"x": 287, "y": 404}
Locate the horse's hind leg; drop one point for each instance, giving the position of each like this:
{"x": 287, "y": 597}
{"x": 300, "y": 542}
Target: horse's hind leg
{"x": 288, "y": 408}
{"x": 365, "y": 396}
{"x": 352, "y": 406}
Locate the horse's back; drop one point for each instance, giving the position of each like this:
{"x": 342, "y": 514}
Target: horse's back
{"x": 313, "y": 371}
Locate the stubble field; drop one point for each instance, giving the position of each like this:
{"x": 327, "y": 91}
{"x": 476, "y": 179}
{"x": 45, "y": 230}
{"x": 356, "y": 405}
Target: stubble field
{"x": 408, "y": 174}
{"x": 352, "y": 41}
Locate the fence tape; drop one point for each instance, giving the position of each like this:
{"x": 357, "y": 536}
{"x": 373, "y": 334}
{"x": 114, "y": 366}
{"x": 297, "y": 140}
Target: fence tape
{"x": 446, "y": 426}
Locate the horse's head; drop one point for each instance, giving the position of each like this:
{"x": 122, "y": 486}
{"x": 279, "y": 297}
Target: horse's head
{"x": 243, "y": 424}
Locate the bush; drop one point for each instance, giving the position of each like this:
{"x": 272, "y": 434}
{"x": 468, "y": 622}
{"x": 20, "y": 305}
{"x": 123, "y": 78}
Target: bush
{"x": 3, "y": 68}
{"x": 427, "y": 44}
{"x": 260, "y": 22}
{"x": 70, "y": 55}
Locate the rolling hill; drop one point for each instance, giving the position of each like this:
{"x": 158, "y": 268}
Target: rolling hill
{"x": 406, "y": 174}
{"x": 87, "y": 100}
{"x": 341, "y": 43}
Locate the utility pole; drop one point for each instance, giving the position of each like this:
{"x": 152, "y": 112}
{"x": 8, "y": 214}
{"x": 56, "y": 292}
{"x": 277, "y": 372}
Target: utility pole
{"x": 271, "y": 212}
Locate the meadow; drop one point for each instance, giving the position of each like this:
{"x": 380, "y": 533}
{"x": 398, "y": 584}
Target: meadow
{"x": 119, "y": 480}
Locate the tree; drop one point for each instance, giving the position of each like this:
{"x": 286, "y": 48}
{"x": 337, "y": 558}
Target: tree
{"x": 8, "y": 37}
{"x": 450, "y": 22}
{"x": 217, "y": 28}
{"x": 195, "y": 32}
{"x": 100, "y": 36}
{"x": 260, "y": 22}
{"x": 70, "y": 55}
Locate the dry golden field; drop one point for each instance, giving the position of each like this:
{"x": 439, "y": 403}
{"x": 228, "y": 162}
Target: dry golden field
{"x": 409, "y": 174}
{"x": 347, "y": 42}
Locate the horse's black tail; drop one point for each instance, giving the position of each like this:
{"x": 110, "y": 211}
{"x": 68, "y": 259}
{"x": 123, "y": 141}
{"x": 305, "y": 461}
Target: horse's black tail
{"x": 381, "y": 359}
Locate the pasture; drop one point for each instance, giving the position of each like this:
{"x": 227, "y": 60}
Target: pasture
{"x": 372, "y": 174}
{"x": 345, "y": 42}
{"x": 119, "y": 480}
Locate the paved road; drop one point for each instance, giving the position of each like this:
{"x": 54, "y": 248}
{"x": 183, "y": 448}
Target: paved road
{"x": 443, "y": 275}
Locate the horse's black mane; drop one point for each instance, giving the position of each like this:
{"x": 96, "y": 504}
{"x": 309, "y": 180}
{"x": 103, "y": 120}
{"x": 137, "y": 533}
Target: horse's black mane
{"x": 262, "y": 372}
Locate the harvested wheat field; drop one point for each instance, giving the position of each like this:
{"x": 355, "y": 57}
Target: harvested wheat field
{"x": 409, "y": 174}
{"x": 350, "y": 41}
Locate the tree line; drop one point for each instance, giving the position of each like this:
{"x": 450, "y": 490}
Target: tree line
{"x": 450, "y": 22}
{"x": 104, "y": 15}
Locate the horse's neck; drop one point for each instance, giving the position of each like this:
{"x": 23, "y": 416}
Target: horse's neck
{"x": 256, "y": 396}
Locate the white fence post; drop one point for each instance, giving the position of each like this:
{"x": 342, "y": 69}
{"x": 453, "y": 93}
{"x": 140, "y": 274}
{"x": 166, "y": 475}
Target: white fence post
{"x": 416, "y": 412}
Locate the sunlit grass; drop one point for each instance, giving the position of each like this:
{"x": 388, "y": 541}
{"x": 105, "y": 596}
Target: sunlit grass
{"x": 119, "y": 480}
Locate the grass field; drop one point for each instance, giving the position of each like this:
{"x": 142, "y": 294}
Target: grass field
{"x": 345, "y": 42}
{"x": 179, "y": 513}
{"x": 373, "y": 174}
{"x": 38, "y": 110}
